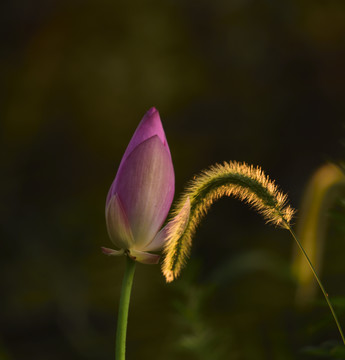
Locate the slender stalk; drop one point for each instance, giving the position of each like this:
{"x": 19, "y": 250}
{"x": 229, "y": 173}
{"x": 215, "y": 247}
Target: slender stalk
{"x": 120, "y": 350}
{"x": 319, "y": 282}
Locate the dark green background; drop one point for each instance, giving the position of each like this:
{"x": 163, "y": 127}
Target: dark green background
{"x": 246, "y": 80}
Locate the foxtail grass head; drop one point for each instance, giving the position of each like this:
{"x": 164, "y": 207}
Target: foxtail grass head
{"x": 247, "y": 183}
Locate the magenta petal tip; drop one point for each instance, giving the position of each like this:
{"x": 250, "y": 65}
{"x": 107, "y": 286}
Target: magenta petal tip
{"x": 151, "y": 111}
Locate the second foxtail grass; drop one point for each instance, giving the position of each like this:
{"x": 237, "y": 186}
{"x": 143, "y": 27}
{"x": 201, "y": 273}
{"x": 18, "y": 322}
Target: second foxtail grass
{"x": 247, "y": 183}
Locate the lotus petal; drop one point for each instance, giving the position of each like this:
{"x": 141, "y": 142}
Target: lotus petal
{"x": 118, "y": 226}
{"x": 144, "y": 257}
{"x": 149, "y": 126}
{"x": 157, "y": 243}
{"x": 146, "y": 185}
{"x": 112, "y": 252}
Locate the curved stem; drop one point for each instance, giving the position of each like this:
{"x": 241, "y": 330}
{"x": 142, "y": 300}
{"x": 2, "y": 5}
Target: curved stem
{"x": 120, "y": 350}
{"x": 318, "y": 281}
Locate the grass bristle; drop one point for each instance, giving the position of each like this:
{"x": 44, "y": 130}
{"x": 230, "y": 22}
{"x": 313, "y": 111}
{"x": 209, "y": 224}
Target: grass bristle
{"x": 247, "y": 183}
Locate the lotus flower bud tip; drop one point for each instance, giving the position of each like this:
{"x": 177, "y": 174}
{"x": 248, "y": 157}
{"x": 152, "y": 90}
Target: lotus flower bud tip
{"x": 141, "y": 194}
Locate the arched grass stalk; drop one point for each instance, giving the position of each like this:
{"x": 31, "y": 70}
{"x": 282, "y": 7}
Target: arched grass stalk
{"x": 244, "y": 182}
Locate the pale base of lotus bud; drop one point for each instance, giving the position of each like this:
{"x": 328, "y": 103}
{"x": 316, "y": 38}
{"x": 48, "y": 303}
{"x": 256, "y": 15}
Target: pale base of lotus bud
{"x": 112, "y": 252}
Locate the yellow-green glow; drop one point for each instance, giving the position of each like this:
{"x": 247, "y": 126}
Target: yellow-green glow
{"x": 321, "y": 191}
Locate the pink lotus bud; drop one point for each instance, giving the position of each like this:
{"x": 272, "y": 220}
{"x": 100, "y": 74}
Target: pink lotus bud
{"x": 140, "y": 197}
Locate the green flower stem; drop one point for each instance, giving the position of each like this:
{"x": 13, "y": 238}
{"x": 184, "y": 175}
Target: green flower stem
{"x": 319, "y": 282}
{"x": 120, "y": 350}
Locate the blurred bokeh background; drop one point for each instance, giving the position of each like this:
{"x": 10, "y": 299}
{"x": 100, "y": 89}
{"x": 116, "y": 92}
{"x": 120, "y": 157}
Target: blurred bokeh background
{"x": 256, "y": 81}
